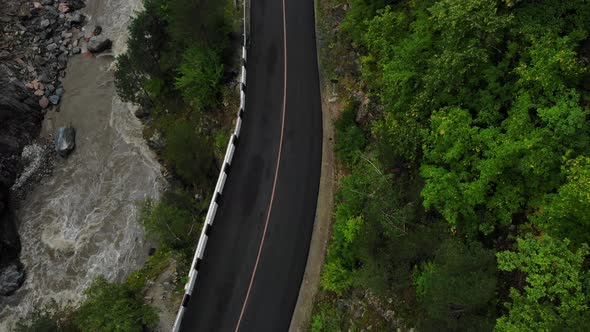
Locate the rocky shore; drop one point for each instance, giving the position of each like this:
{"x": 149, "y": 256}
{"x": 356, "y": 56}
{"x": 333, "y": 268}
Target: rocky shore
{"x": 36, "y": 40}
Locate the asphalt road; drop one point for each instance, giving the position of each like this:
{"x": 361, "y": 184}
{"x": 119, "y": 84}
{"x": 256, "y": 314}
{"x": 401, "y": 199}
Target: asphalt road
{"x": 256, "y": 253}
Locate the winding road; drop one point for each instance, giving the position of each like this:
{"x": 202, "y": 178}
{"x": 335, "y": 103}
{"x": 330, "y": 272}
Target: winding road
{"x": 256, "y": 253}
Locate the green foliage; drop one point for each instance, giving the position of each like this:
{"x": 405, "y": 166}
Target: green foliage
{"x": 338, "y": 274}
{"x": 326, "y": 318}
{"x": 464, "y": 161}
{"x": 366, "y": 200}
{"x": 40, "y": 321}
{"x": 203, "y": 23}
{"x": 360, "y": 11}
{"x": 221, "y": 141}
{"x": 128, "y": 81}
{"x": 350, "y": 139}
{"x": 457, "y": 288}
{"x": 173, "y": 221}
{"x": 48, "y": 319}
{"x": 114, "y": 307}
{"x": 567, "y": 211}
{"x": 555, "y": 294}
{"x": 190, "y": 153}
{"x": 483, "y": 138}
{"x": 151, "y": 270}
{"x": 200, "y": 73}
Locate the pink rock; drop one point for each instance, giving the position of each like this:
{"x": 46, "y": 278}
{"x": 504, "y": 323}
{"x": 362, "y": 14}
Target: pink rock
{"x": 63, "y": 7}
{"x": 37, "y": 5}
{"x": 43, "y": 102}
{"x": 35, "y": 84}
{"x": 29, "y": 86}
{"x": 39, "y": 93}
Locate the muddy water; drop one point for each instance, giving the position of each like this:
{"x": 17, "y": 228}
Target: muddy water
{"x": 81, "y": 222}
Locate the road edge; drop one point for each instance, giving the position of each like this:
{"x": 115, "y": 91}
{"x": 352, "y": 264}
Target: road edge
{"x": 323, "y": 219}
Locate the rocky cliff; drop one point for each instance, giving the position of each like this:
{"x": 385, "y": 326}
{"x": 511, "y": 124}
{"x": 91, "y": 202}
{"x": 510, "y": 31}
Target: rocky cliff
{"x": 20, "y": 120}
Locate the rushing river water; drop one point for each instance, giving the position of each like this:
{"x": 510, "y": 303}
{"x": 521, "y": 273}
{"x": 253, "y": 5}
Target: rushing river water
{"x": 81, "y": 222}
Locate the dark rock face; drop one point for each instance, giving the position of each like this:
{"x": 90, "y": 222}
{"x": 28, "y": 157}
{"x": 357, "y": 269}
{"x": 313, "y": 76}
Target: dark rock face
{"x": 11, "y": 278}
{"x": 65, "y": 141}
{"x": 20, "y": 122}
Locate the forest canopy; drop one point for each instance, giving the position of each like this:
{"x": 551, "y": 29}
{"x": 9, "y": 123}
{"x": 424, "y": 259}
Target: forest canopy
{"x": 466, "y": 195}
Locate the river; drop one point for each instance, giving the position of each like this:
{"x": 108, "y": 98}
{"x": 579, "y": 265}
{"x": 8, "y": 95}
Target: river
{"x": 81, "y": 221}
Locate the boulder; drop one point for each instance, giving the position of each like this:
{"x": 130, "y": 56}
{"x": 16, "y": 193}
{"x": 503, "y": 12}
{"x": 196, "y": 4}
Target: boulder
{"x": 49, "y": 88}
{"x": 63, "y": 7}
{"x": 54, "y": 99}
{"x": 141, "y": 112}
{"x": 98, "y": 44}
{"x": 65, "y": 141}
{"x": 97, "y": 30}
{"x": 44, "y": 102}
{"x": 75, "y": 18}
{"x": 45, "y": 23}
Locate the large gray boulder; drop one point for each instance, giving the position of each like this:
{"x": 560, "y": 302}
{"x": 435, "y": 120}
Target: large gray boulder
{"x": 98, "y": 44}
{"x": 65, "y": 141}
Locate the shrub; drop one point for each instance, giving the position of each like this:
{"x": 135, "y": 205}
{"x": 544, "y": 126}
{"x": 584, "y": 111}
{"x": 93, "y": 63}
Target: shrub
{"x": 114, "y": 307}
{"x": 350, "y": 139}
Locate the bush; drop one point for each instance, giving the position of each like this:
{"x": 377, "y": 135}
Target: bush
{"x": 48, "y": 319}
{"x": 190, "y": 153}
{"x": 152, "y": 268}
{"x": 114, "y": 307}
{"x": 350, "y": 139}
{"x": 326, "y": 318}
{"x": 199, "y": 75}
{"x": 173, "y": 221}
{"x": 41, "y": 321}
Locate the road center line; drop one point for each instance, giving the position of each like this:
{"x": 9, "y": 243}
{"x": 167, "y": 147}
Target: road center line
{"x": 274, "y": 185}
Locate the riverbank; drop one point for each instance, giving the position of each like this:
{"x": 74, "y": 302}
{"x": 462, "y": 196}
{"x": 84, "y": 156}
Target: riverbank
{"x": 81, "y": 221}
{"x": 36, "y": 41}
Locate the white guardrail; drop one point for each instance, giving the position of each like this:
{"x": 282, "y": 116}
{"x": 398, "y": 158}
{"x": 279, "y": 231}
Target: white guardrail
{"x": 229, "y": 153}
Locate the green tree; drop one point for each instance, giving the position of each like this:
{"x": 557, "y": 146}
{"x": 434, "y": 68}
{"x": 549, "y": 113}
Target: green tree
{"x": 199, "y": 75}
{"x": 173, "y": 221}
{"x": 148, "y": 39}
{"x": 114, "y": 307}
{"x": 190, "y": 153}
{"x": 555, "y": 296}
{"x": 567, "y": 210}
{"x": 130, "y": 83}
{"x": 201, "y": 23}
{"x": 457, "y": 288}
